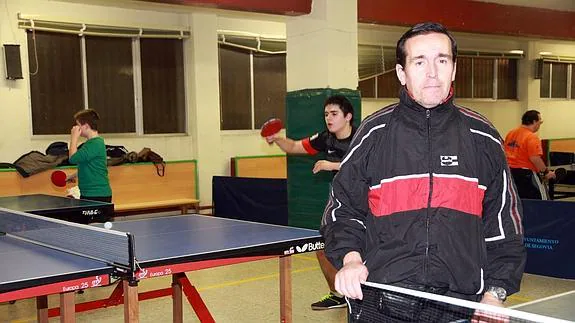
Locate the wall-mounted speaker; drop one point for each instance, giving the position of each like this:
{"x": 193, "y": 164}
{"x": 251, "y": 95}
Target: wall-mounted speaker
{"x": 538, "y": 73}
{"x": 13, "y": 62}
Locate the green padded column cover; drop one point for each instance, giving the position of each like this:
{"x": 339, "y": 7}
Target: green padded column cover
{"x": 308, "y": 192}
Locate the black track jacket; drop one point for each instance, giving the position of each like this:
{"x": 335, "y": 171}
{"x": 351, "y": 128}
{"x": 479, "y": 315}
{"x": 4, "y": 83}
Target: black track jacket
{"x": 426, "y": 197}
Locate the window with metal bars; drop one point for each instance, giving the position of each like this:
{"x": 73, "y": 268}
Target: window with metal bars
{"x": 558, "y": 80}
{"x": 252, "y": 87}
{"x": 133, "y": 77}
{"x": 136, "y": 85}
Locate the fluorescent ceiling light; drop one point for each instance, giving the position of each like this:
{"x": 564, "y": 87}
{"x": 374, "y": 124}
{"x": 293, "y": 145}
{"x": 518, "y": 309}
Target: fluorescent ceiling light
{"x": 545, "y": 53}
{"x": 516, "y": 51}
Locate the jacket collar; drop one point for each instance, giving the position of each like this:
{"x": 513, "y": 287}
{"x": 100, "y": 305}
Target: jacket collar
{"x": 407, "y": 100}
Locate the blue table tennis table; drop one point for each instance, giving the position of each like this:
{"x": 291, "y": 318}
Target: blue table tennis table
{"x": 163, "y": 246}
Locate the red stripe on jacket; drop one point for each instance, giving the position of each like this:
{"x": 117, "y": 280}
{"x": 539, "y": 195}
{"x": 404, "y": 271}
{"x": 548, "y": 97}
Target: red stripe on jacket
{"x": 412, "y": 193}
{"x": 398, "y": 195}
{"x": 307, "y": 146}
{"x": 457, "y": 194}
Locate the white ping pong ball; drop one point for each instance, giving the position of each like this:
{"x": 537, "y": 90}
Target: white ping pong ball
{"x": 108, "y": 225}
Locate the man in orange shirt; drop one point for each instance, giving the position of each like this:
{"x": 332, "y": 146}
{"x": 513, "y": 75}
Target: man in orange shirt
{"x": 524, "y": 155}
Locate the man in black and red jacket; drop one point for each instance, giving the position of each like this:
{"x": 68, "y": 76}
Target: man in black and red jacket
{"x": 424, "y": 198}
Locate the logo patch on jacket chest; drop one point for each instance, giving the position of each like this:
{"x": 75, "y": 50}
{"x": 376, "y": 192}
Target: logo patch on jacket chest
{"x": 449, "y": 161}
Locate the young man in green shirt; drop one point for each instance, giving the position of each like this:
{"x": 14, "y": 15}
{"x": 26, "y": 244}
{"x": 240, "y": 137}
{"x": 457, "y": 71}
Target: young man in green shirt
{"x": 90, "y": 157}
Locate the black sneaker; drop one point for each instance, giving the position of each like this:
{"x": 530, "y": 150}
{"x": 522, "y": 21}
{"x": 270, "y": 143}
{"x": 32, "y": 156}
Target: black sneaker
{"x": 329, "y": 301}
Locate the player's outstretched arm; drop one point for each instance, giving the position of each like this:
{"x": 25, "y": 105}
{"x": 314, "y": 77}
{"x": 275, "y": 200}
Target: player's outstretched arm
{"x": 288, "y": 145}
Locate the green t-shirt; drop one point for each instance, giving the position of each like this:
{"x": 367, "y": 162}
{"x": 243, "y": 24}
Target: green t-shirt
{"x": 92, "y": 168}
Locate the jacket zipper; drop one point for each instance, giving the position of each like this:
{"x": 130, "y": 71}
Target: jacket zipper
{"x": 428, "y": 215}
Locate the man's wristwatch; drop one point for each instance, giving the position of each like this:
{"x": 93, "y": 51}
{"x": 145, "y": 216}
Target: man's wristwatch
{"x": 498, "y": 292}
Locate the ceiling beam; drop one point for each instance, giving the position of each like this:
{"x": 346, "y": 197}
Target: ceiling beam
{"x": 278, "y": 7}
{"x": 472, "y": 17}
{"x": 456, "y": 15}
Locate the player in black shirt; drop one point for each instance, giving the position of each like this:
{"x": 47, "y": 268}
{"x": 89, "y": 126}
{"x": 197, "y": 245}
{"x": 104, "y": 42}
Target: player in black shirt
{"x": 334, "y": 142}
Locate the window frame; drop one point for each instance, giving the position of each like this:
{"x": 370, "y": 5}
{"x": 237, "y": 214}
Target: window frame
{"x": 81, "y": 31}
{"x": 68, "y": 105}
{"x": 86, "y": 86}
{"x": 570, "y": 80}
{"x": 252, "y": 88}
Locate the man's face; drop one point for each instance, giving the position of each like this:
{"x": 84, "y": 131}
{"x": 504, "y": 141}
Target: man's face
{"x": 429, "y": 69}
{"x": 334, "y": 118}
{"x": 538, "y": 123}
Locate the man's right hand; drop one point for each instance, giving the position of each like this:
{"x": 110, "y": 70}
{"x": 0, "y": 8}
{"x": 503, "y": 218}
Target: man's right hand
{"x": 550, "y": 175}
{"x": 75, "y": 132}
{"x": 71, "y": 178}
{"x": 349, "y": 278}
{"x": 271, "y": 139}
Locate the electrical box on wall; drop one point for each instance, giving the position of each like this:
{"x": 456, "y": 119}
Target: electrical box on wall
{"x": 13, "y": 63}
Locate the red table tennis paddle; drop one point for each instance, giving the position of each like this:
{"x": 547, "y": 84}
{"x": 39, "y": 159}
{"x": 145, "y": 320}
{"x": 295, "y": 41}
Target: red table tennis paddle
{"x": 271, "y": 127}
{"x": 58, "y": 178}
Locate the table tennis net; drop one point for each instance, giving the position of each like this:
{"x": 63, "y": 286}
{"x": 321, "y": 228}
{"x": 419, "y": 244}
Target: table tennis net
{"x": 385, "y": 303}
{"x": 112, "y": 247}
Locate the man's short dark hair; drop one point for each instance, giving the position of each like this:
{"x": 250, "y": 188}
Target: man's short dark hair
{"x": 530, "y": 117}
{"x": 343, "y": 104}
{"x": 88, "y": 116}
{"x": 423, "y": 29}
